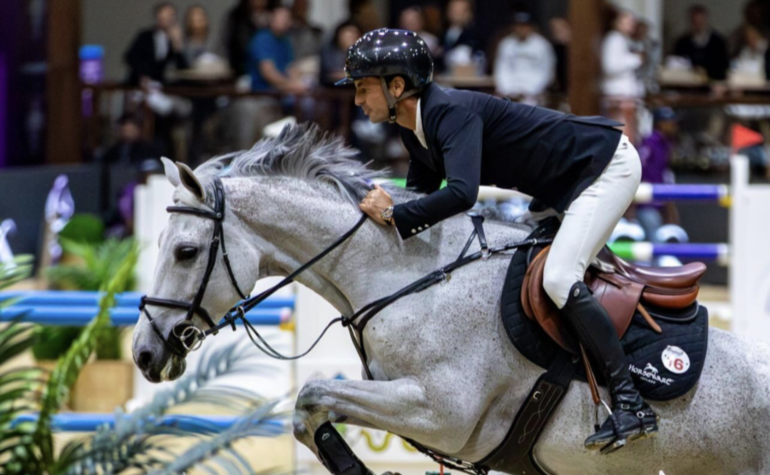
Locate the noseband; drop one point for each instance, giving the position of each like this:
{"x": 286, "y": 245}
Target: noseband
{"x": 188, "y": 337}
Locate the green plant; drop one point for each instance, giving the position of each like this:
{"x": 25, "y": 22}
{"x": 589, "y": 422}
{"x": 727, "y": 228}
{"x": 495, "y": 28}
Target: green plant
{"x": 98, "y": 263}
{"x": 17, "y": 385}
{"x": 138, "y": 440}
{"x": 33, "y": 454}
{"x": 83, "y": 228}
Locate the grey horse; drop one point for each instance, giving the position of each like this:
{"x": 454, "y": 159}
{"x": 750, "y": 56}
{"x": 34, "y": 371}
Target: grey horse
{"x": 446, "y": 375}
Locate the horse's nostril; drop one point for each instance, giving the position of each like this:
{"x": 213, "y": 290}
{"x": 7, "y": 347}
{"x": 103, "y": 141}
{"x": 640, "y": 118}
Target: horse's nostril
{"x": 144, "y": 360}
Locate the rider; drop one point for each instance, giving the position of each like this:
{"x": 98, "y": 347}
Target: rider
{"x": 581, "y": 167}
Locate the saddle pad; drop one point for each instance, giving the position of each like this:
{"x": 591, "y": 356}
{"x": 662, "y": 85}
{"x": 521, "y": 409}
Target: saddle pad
{"x": 663, "y": 366}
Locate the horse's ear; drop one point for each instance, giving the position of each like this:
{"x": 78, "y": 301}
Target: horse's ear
{"x": 191, "y": 182}
{"x": 172, "y": 172}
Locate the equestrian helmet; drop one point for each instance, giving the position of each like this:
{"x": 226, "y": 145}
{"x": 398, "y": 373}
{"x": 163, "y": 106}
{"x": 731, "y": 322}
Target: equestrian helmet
{"x": 389, "y": 52}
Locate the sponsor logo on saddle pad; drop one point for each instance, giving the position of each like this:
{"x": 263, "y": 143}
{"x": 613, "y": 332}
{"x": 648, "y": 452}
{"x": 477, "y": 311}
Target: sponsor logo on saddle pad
{"x": 650, "y": 374}
{"x": 675, "y": 359}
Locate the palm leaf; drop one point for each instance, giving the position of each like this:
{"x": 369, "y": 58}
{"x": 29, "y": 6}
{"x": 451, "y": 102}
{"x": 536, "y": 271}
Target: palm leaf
{"x": 132, "y": 441}
{"x": 220, "y": 445}
{"x": 36, "y": 454}
{"x": 14, "y": 272}
{"x": 18, "y": 385}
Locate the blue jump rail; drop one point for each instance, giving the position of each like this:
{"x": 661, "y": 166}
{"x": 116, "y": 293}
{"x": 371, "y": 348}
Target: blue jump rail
{"x": 82, "y": 298}
{"x": 80, "y": 316}
{"x": 81, "y": 422}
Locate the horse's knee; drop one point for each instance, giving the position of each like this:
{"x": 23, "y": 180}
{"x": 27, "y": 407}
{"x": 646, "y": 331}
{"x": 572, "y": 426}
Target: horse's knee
{"x": 557, "y": 284}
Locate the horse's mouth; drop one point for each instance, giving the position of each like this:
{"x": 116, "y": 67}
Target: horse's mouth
{"x": 173, "y": 369}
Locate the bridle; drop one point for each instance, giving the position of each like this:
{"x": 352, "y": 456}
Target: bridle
{"x": 186, "y": 332}
{"x": 188, "y": 337}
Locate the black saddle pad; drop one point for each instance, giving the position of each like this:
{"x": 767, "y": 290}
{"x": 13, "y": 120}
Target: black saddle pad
{"x": 664, "y": 366}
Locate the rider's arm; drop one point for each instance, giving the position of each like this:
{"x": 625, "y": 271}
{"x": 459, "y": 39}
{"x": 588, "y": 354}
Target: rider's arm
{"x": 460, "y": 137}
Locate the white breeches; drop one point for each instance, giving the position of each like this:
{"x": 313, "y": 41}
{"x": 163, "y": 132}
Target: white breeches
{"x": 589, "y": 222}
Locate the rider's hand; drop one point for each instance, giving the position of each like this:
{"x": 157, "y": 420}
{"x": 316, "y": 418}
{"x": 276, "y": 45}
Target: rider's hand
{"x": 375, "y": 203}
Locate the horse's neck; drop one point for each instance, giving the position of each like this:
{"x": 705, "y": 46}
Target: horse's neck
{"x": 300, "y": 223}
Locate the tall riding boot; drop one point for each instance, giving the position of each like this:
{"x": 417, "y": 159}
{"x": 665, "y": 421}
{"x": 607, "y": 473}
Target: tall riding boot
{"x": 631, "y": 417}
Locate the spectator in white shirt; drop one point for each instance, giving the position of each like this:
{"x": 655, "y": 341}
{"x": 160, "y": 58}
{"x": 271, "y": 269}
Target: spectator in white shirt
{"x": 620, "y": 64}
{"x": 525, "y": 62}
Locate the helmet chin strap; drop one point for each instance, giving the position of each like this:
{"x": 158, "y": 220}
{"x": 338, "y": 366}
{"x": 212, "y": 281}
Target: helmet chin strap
{"x": 392, "y": 101}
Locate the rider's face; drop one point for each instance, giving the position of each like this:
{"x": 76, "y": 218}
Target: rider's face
{"x": 371, "y": 99}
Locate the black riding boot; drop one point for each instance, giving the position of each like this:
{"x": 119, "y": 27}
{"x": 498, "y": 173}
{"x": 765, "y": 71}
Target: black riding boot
{"x": 631, "y": 417}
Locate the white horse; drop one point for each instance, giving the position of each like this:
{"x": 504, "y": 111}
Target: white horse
{"x": 446, "y": 375}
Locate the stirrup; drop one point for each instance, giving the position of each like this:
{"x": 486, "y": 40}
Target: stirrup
{"x": 644, "y": 432}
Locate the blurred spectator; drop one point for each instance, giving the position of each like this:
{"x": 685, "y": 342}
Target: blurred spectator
{"x": 271, "y": 53}
{"x": 656, "y": 152}
{"x": 462, "y": 52}
{"x": 753, "y": 17}
{"x": 460, "y": 30}
{"x": 525, "y": 62}
{"x": 365, "y": 14}
{"x": 433, "y": 19}
{"x": 334, "y": 53}
{"x": 241, "y": 24}
{"x": 649, "y": 48}
{"x": 561, "y": 35}
{"x": 196, "y": 33}
{"x": 305, "y": 38}
{"x": 751, "y": 57}
{"x": 130, "y": 149}
{"x": 153, "y": 49}
{"x": 620, "y": 64}
{"x": 703, "y": 46}
{"x": 411, "y": 19}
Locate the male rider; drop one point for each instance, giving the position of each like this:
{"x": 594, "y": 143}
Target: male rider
{"x": 582, "y": 167}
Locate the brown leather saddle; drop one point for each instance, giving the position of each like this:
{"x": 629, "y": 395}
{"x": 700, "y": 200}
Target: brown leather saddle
{"x": 622, "y": 290}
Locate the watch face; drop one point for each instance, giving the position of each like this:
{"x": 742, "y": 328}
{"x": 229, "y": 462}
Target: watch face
{"x": 387, "y": 213}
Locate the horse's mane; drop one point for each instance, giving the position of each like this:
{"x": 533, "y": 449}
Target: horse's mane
{"x": 300, "y": 151}
{"x": 305, "y": 152}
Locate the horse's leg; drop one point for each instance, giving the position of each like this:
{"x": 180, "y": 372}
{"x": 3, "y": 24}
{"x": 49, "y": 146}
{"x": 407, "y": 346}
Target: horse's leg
{"x": 443, "y": 419}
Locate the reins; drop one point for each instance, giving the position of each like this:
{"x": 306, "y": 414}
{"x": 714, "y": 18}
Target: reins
{"x": 190, "y": 337}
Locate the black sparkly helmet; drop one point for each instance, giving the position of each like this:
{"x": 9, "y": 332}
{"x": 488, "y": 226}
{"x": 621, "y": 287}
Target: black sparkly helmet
{"x": 389, "y": 52}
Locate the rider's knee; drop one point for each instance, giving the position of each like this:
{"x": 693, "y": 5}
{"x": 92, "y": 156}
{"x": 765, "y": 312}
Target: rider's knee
{"x": 557, "y": 284}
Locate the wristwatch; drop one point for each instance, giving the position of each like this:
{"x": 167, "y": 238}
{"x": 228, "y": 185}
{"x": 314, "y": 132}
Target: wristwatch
{"x": 387, "y": 215}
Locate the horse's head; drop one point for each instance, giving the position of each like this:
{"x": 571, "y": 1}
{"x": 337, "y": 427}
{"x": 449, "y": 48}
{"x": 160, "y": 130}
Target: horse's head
{"x": 192, "y": 287}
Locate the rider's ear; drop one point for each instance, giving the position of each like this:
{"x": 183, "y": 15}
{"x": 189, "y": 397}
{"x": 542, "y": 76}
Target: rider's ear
{"x": 190, "y": 181}
{"x": 397, "y": 86}
{"x": 172, "y": 172}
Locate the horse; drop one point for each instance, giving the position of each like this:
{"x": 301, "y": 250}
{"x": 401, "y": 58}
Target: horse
{"x": 445, "y": 374}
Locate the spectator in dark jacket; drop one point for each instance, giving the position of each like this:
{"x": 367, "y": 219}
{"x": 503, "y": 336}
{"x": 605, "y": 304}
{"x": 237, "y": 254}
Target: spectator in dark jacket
{"x": 460, "y": 30}
{"x": 703, "y": 46}
{"x": 334, "y": 53}
{"x": 241, "y": 24}
{"x": 131, "y": 149}
{"x": 155, "y": 48}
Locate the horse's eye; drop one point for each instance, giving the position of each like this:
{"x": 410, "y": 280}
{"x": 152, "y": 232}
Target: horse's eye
{"x": 184, "y": 253}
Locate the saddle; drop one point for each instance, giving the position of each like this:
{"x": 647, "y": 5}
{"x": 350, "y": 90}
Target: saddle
{"x": 622, "y": 289}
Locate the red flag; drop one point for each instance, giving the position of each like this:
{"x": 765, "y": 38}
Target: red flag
{"x": 744, "y": 137}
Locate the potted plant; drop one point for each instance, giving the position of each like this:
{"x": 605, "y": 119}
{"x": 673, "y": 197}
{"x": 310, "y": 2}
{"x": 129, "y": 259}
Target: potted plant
{"x": 89, "y": 262}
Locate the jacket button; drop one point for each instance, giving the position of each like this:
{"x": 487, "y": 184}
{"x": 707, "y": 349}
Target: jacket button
{"x": 419, "y": 228}
{"x": 426, "y": 226}
{"x": 414, "y": 231}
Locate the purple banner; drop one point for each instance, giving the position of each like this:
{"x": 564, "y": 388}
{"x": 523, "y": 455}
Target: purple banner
{"x": 3, "y": 109}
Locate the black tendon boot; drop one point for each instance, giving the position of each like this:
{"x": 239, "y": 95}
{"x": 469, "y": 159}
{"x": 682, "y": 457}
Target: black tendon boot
{"x": 631, "y": 417}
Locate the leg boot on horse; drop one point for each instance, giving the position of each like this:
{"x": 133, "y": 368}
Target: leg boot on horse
{"x": 631, "y": 418}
